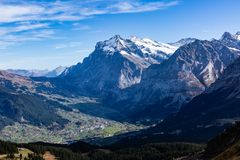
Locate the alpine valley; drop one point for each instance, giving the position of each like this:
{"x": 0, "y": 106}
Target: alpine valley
{"x": 129, "y": 92}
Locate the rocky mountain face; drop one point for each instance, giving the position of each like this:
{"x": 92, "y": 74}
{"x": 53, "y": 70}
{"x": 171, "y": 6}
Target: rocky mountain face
{"x": 211, "y": 112}
{"x": 38, "y": 73}
{"x": 186, "y": 74}
{"x": 116, "y": 64}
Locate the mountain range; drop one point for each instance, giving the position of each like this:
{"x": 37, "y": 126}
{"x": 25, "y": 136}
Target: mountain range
{"x": 38, "y": 73}
{"x": 186, "y": 74}
{"x": 192, "y": 82}
{"x": 146, "y": 79}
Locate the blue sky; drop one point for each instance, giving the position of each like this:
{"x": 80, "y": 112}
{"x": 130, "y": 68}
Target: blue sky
{"x": 43, "y": 34}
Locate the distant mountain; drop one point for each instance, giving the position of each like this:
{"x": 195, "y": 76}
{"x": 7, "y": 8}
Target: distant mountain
{"x": 38, "y": 73}
{"x": 212, "y": 111}
{"x": 186, "y": 74}
{"x": 231, "y": 40}
{"x": 183, "y": 42}
{"x": 28, "y": 73}
{"x": 116, "y": 64}
{"x": 56, "y": 72}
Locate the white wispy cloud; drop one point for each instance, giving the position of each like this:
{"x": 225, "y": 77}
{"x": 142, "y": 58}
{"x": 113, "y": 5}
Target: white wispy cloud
{"x": 34, "y": 17}
{"x": 68, "y": 45}
{"x": 81, "y": 27}
{"x": 136, "y": 7}
{"x": 21, "y": 27}
{"x": 73, "y": 10}
{"x": 17, "y": 39}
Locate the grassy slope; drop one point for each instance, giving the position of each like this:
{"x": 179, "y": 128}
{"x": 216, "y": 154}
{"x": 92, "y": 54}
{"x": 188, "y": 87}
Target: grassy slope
{"x": 226, "y": 145}
{"x": 155, "y": 151}
{"x": 231, "y": 153}
{"x": 23, "y": 107}
{"x": 23, "y": 151}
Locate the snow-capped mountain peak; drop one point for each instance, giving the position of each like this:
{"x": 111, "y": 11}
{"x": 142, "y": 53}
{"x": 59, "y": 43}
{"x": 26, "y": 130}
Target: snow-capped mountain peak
{"x": 146, "y": 45}
{"x": 115, "y": 41}
{"x": 114, "y": 44}
{"x": 145, "y": 50}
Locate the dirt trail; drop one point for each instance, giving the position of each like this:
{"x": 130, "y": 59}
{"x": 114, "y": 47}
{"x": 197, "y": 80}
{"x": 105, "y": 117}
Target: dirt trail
{"x": 3, "y": 156}
{"x": 48, "y": 156}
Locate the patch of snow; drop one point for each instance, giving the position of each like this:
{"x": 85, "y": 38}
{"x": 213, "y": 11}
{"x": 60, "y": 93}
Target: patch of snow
{"x": 113, "y": 44}
{"x": 124, "y": 53}
{"x": 234, "y": 49}
{"x": 210, "y": 77}
{"x": 152, "y": 47}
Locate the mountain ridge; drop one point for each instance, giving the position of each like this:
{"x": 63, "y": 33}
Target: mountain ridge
{"x": 191, "y": 69}
{"x": 210, "y": 112}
